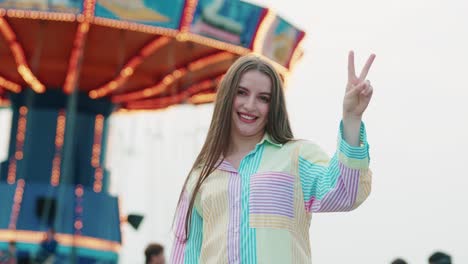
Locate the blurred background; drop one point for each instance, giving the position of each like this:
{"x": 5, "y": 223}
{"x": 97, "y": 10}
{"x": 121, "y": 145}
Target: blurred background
{"x": 113, "y": 96}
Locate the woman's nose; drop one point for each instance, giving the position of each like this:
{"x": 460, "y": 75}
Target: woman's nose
{"x": 250, "y": 103}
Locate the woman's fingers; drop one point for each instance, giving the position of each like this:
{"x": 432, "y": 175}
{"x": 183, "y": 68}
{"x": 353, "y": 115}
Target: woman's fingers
{"x": 351, "y": 71}
{"x": 366, "y": 68}
{"x": 367, "y": 90}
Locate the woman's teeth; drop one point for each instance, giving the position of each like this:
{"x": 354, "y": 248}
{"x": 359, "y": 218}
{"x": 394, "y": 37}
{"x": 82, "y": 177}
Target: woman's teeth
{"x": 247, "y": 117}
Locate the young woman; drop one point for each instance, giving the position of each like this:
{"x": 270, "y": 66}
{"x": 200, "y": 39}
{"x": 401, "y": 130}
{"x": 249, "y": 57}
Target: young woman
{"x": 252, "y": 190}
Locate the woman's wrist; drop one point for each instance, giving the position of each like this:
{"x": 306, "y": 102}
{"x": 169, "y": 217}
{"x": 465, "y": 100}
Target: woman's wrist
{"x": 351, "y": 129}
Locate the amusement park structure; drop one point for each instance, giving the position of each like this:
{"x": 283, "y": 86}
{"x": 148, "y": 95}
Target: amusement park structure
{"x": 67, "y": 65}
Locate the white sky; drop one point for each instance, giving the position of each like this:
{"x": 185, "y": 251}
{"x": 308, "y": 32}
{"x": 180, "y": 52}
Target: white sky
{"x": 417, "y": 129}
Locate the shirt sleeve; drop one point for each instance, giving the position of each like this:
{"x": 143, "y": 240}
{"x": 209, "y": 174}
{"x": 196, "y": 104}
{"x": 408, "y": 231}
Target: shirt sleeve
{"x": 338, "y": 184}
{"x": 187, "y": 251}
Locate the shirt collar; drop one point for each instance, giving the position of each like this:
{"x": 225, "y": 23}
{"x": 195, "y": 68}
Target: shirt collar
{"x": 226, "y": 166}
{"x": 267, "y": 138}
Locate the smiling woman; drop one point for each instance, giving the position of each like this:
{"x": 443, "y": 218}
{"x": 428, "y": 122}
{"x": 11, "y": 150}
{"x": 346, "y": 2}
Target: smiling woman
{"x": 252, "y": 190}
{"x": 249, "y": 113}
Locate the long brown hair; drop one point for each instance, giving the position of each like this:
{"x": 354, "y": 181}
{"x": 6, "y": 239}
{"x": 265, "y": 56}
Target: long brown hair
{"x": 217, "y": 140}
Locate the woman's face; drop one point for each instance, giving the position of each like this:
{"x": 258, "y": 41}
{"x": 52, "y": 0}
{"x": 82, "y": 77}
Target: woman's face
{"x": 251, "y": 105}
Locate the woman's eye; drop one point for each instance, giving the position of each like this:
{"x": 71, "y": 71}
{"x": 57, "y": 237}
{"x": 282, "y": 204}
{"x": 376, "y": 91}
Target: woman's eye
{"x": 241, "y": 92}
{"x": 265, "y": 99}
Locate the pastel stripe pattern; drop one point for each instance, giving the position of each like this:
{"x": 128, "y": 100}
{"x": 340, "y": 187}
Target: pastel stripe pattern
{"x": 234, "y": 219}
{"x": 261, "y": 212}
{"x": 272, "y": 193}
{"x": 216, "y": 218}
{"x": 187, "y": 252}
{"x": 194, "y": 243}
{"x": 325, "y": 192}
{"x": 358, "y": 153}
{"x": 248, "y": 166}
{"x": 333, "y": 186}
{"x": 178, "y": 248}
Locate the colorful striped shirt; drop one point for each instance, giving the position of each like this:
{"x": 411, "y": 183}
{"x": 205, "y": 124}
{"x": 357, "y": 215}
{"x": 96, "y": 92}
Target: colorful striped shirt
{"x": 261, "y": 212}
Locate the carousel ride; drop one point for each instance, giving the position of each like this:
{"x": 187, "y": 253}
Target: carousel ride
{"x": 67, "y": 65}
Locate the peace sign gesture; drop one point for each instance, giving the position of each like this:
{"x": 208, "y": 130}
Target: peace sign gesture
{"x": 358, "y": 90}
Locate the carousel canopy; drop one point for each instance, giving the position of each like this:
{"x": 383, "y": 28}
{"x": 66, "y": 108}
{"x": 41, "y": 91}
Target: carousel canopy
{"x": 138, "y": 54}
